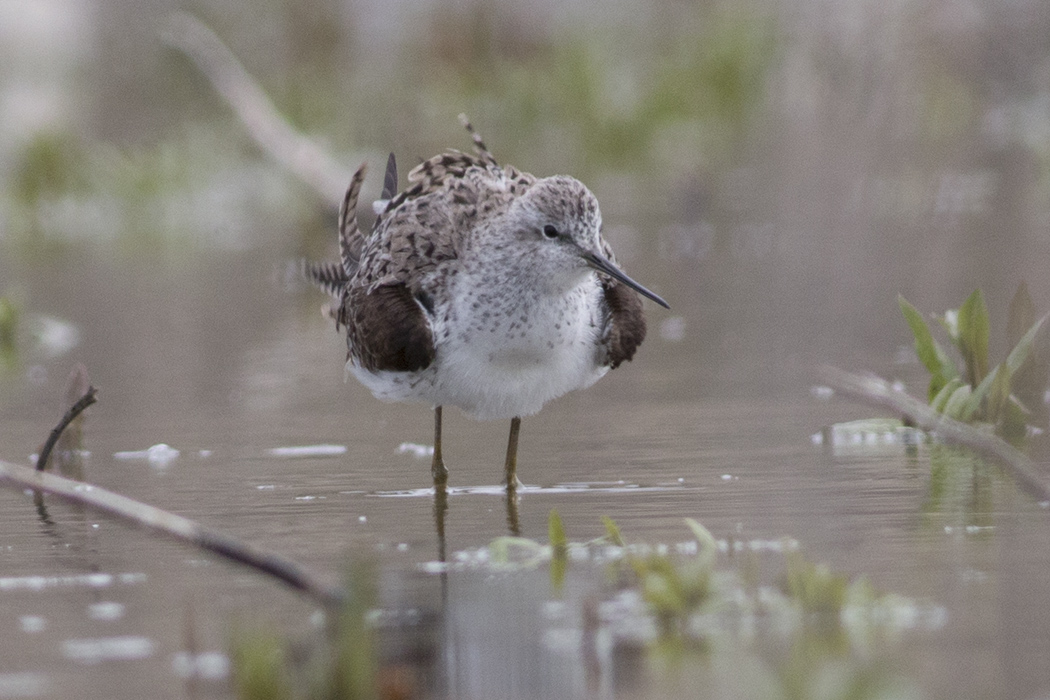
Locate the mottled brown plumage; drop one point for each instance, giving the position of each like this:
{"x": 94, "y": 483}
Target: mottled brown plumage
{"x": 482, "y": 287}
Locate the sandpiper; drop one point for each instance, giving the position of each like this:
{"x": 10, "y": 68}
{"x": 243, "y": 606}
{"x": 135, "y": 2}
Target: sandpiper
{"x": 481, "y": 287}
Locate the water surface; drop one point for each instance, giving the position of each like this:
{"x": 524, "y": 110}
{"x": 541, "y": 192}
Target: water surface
{"x": 93, "y": 608}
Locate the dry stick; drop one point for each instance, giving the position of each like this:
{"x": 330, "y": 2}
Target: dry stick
{"x": 273, "y": 134}
{"x": 173, "y": 525}
{"x": 878, "y": 392}
{"x": 75, "y": 410}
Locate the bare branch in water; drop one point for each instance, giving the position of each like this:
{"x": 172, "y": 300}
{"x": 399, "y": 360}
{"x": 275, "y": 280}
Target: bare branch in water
{"x": 876, "y": 391}
{"x": 274, "y": 135}
{"x": 175, "y": 526}
{"x": 75, "y": 410}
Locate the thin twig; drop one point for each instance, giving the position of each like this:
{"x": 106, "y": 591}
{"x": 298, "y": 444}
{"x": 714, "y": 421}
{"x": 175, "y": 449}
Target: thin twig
{"x": 75, "y": 410}
{"x": 274, "y": 135}
{"x": 876, "y": 391}
{"x": 176, "y": 526}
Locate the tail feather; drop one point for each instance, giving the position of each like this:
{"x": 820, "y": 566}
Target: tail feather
{"x": 479, "y": 145}
{"x": 329, "y": 277}
{"x": 389, "y": 190}
{"x": 390, "y": 179}
{"x": 350, "y": 239}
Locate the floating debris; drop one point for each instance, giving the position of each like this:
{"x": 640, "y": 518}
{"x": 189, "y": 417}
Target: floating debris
{"x": 205, "y": 666}
{"x": 868, "y": 435}
{"x": 308, "y": 451}
{"x": 31, "y": 624}
{"x": 160, "y": 456}
{"x": 416, "y": 450}
{"x": 821, "y": 392}
{"x": 94, "y": 651}
{"x": 106, "y": 611}
{"x": 968, "y": 529}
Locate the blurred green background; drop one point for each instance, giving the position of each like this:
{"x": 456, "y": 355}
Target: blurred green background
{"x": 832, "y": 154}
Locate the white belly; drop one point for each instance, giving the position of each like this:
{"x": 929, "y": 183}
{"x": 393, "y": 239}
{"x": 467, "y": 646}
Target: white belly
{"x": 503, "y": 366}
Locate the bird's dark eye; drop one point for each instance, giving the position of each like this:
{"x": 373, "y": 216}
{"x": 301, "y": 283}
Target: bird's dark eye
{"x": 550, "y": 231}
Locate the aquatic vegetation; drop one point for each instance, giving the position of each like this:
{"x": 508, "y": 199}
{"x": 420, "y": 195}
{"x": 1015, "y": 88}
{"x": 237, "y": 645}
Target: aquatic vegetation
{"x": 698, "y": 612}
{"x": 260, "y": 666}
{"x": 10, "y": 316}
{"x": 1005, "y": 396}
{"x": 559, "y": 549}
{"x": 961, "y": 486}
{"x": 341, "y": 665}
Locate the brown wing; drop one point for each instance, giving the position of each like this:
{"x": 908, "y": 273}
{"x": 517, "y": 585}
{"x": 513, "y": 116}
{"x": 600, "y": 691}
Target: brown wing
{"x": 387, "y": 329}
{"x": 388, "y": 305}
{"x": 414, "y": 243}
{"x": 626, "y": 325}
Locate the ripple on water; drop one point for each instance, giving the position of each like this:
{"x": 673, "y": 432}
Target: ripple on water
{"x": 40, "y": 583}
{"x": 597, "y": 487}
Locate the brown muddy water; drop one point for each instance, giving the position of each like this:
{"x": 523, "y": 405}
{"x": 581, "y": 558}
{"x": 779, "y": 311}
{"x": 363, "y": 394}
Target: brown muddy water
{"x": 215, "y": 357}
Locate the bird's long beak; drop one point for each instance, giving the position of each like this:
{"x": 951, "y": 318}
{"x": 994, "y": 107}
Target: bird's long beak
{"x": 601, "y": 264}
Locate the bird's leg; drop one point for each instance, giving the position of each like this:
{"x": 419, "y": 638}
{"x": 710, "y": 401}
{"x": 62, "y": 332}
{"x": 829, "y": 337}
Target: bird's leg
{"x": 440, "y": 510}
{"x": 511, "y": 465}
{"x": 513, "y": 523}
{"x": 437, "y": 466}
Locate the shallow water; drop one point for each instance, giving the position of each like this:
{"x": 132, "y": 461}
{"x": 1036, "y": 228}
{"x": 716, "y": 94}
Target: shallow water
{"x": 250, "y": 393}
{"x": 779, "y": 171}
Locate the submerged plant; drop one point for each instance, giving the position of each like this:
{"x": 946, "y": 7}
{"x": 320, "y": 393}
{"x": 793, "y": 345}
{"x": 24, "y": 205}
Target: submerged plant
{"x": 260, "y": 667}
{"x": 815, "y": 587}
{"x": 341, "y": 666}
{"x": 1002, "y": 396}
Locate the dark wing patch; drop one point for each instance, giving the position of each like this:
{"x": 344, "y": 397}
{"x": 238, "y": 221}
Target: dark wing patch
{"x": 626, "y": 322}
{"x": 387, "y": 329}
